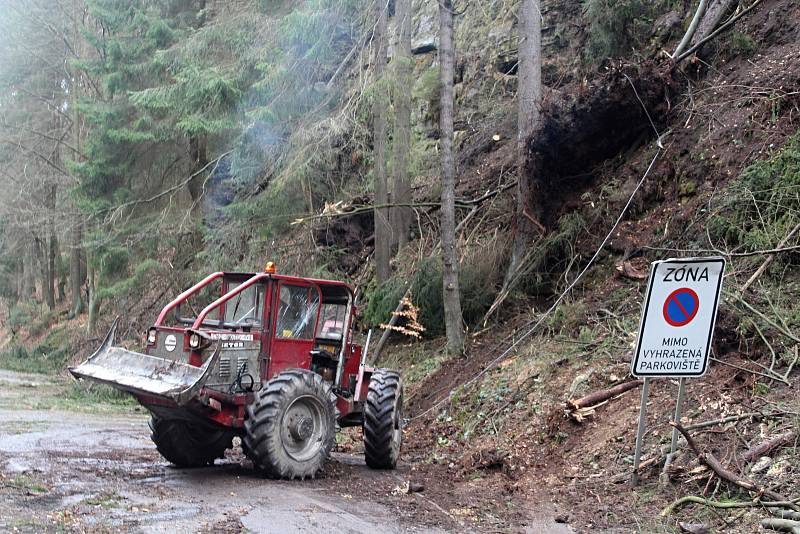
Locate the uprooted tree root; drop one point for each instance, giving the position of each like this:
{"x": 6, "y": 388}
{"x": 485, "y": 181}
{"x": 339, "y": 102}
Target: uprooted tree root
{"x": 613, "y": 114}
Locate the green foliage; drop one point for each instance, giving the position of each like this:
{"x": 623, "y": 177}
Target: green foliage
{"x": 426, "y": 293}
{"x": 478, "y": 278}
{"x": 113, "y": 261}
{"x": 418, "y": 361}
{"x": 21, "y": 314}
{"x": 382, "y": 301}
{"x": 426, "y": 90}
{"x": 742, "y": 44}
{"x": 127, "y": 285}
{"x": 269, "y": 5}
{"x": 9, "y": 273}
{"x": 199, "y": 93}
{"x": 108, "y": 151}
{"x": 93, "y": 394}
{"x": 552, "y": 256}
{"x": 39, "y": 324}
{"x": 293, "y": 70}
{"x": 568, "y": 318}
{"x": 616, "y": 26}
{"x": 121, "y": 64}
{"x": 261, "y": 218}
{"x": 50, "y": 355}
{"x": 762, "y": 205}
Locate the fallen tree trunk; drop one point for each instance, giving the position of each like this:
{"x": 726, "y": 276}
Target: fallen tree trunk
{"x": 711, "y": 19}
{"x": 603, "y": 395}
{"x": 769, "y": 259}
{"x": 788, "y": 514}
{"x": 765, "y": 447}
{"x": 716, "y": 32}
{"x": 687, "y": 37}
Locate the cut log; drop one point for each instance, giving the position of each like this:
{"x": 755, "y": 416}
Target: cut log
{"x": 603, "y": 395}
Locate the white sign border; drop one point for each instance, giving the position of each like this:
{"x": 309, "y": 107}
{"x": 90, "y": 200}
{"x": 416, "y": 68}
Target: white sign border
{"x": 646, "y": 304}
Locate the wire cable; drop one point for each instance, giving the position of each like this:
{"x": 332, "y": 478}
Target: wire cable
{"x": 540, "y": 320}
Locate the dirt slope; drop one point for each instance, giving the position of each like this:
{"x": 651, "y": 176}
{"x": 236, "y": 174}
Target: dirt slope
{"x": 507, "y": 433}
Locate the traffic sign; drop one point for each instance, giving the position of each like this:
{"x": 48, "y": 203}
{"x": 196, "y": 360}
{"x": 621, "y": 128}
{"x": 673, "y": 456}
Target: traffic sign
{"x": 678, "y": 316}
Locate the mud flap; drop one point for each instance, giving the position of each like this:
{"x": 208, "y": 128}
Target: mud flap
{"x": 143, "y": 374}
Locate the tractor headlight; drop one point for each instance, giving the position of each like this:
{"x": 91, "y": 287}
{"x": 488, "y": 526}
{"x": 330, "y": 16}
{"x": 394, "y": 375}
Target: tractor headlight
{"x": 194, "y": 340}
{"x": 151, "y": 336}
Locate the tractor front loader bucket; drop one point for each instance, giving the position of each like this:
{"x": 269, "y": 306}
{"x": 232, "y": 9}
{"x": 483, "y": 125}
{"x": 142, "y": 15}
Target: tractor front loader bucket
{"x": 143, "y": 374}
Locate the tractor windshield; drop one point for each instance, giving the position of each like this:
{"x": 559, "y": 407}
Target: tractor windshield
{"x": 243, "y": 310}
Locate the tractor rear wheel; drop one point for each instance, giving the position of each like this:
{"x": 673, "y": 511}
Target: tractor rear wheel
{"x": 383, "y": 419}
{"x": 189, "y": 445}
{"x": 290, "y": 425}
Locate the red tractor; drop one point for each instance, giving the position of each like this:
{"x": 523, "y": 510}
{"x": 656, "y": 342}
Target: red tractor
{"x": 266, "y": 357}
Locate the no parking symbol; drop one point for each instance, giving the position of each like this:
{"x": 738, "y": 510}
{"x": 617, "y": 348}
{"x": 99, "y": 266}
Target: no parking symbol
{"x": 678, "y": 317}
{"x": 681, "y": 307}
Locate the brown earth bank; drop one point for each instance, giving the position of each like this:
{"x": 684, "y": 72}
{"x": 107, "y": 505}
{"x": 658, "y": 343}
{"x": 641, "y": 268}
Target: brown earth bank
{"x": 502, "y": 426}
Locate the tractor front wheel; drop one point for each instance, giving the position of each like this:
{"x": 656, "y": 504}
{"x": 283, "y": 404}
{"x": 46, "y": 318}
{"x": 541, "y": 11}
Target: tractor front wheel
{"x": 189, "y": 445}
{"x": 290, "y": 425}
{"x": 383, "y": 423}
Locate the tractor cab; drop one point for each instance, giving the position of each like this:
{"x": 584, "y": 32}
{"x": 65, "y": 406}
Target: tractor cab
{"x": 263, "y": 323}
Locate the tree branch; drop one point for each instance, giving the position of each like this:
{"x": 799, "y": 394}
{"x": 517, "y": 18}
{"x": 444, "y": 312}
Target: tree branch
{"x": 711, "y": 461}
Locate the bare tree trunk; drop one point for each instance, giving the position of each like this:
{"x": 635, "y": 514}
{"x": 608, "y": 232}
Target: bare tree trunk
{"x": 529, "y": 96}
{"x": 49, "y": 255}
{"x": 19, "y": 270}
{"x": 713, "y": 16}
{"x": 687, "y": 37}
{"x": 52, "y": 251}
{"x": 453, "y": 318}
{"x": 60, "y": 278}
{"x": 28, "y": 270}
{"x": 383, "y": 229}
{"x": 198, "y": 153}
{"x": 76, "y": 271}
{"x": 94, "y": 302}
{"x": 42, "y": 256}
{"x": 401, "y": 216}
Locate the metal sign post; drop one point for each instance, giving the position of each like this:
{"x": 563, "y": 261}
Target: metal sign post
{"x": 637, "y": 453}
{"x": 677, "y": 419}
{"x": 678, "y": 316}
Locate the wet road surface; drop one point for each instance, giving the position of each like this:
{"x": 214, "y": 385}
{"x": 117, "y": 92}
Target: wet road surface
{"x": 95, "y": 472}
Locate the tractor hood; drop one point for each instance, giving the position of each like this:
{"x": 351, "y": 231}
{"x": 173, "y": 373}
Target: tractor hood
{"x": 143, "y": 374}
